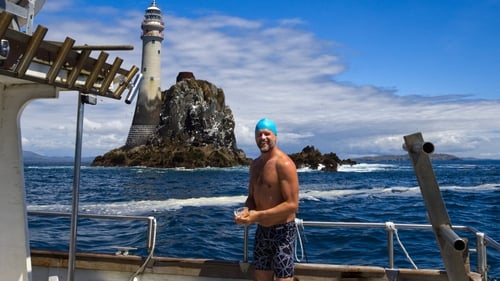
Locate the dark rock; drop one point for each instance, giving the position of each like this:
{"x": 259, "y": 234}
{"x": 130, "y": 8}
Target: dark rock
{"x": 312, "y": 158}
{"x": 184, "y": 75}
{"x": 195, "y": 114}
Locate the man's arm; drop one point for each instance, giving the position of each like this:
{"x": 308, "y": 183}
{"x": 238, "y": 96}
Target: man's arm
{"x": 250, "y": 202}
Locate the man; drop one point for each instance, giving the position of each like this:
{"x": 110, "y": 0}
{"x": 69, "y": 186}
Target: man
{"x": 273, "y": 200}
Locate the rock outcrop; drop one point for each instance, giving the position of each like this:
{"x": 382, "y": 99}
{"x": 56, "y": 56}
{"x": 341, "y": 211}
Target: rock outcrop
{"x": 312, "y": 158}
{"x": 196, "y": 130}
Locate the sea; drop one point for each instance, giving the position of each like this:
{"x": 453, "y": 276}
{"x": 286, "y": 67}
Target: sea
{"x": 194, "y": 209}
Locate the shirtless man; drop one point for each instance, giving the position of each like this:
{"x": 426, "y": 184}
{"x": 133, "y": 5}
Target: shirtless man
{"x": 273, "y": 200}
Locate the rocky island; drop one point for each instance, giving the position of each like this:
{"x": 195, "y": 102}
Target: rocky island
{"x": 312, "y": 158}
{"x": 196, "y": 129}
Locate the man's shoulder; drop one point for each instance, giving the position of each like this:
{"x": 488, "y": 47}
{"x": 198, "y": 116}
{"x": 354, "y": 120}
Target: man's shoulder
{"x": 285, "y": 160}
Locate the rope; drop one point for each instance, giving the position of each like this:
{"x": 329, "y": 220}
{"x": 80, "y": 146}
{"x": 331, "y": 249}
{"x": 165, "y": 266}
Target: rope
{"x": 391, "y": 226}
{"x": 143, "y": 266}
{"x": 299, "y": 225}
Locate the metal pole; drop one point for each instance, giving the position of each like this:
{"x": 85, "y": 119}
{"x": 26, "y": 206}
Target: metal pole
{"x": 482, "y": 264}
{"x": 451, "y": 253}
{"x": 76, "y": 187}
{"x": 390, "y": 247}
{"x": 245, "y": 245}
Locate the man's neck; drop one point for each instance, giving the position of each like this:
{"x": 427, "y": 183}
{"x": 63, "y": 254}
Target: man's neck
{"x": 268, "y": 154}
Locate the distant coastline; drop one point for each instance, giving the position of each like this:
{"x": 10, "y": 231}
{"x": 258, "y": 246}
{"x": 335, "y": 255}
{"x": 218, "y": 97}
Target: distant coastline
{"x": 32, "y": 157}
{"x": 404, "y": 157}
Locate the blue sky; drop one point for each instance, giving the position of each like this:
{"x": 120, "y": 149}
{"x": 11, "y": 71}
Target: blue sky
{"x": 350, "y": 77}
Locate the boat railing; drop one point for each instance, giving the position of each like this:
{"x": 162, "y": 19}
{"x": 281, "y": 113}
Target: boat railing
{"x": 151, "y": 225}
{"x": 482, "y": 240}
{"x": 151, "y": 231}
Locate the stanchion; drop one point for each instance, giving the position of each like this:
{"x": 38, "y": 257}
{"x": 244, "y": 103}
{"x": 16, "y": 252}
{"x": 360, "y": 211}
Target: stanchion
{"x": 82, "y": 100}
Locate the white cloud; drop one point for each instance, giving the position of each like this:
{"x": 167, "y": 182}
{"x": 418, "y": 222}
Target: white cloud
{"x": 268, "y": 70}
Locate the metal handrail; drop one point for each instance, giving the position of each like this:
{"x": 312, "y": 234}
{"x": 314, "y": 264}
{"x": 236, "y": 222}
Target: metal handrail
{"x": 482, "y": 240}
{"x": 152, "y": 226}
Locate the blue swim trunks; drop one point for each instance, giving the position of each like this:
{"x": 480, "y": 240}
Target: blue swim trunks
{"x": 274, "y": 248}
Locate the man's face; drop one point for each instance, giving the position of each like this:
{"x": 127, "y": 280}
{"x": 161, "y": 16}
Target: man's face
{"x": 265, "y": 140}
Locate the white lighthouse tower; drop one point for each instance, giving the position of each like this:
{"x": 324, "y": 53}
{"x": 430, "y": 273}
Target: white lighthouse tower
{"x": 148, "y": 106}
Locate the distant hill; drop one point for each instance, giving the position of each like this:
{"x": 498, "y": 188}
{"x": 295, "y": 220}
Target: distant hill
{"x": 404, "y": 157}
{"x": 32, "y": 157}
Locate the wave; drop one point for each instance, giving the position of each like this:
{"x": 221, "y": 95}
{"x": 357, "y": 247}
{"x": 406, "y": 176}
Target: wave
{"x": 172, "y": 204}
{"x": 144, "y": 206}
{"x": 317, "y": 195}
{"x": 49, "y": 167}
{"x": 357, "y": 168}
{"x": 158, "y": 206}
{"x": 367, "y": 168}
{"x": 482, "y": 187}
{"x": 184, "y": 169}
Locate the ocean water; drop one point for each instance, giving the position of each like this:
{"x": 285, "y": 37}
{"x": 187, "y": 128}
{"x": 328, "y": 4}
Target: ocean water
{"x": 194, "y": 210}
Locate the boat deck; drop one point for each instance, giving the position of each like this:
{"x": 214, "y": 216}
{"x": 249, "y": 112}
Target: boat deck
{"x": 107, "y": 267}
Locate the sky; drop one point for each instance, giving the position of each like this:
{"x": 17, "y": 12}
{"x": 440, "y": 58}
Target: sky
{"x": 351, "y": 77}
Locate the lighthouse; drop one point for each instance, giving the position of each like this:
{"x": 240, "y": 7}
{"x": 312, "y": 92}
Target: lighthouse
{"x": 148, "y": 106}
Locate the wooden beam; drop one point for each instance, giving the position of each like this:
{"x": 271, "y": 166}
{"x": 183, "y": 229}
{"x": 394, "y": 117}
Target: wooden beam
{"x": 31, "y": 50}
{"x": 110, "y": 75}
{"x": 61, "y": 58}
{"x": 95, "y": 72}
{"x": 75, "y": 72}
{"x": 5, "y": 20}
{"x": 118, "y": 92}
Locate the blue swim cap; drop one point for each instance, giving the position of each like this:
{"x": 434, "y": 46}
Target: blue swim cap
{"x": 266, "y": 124}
